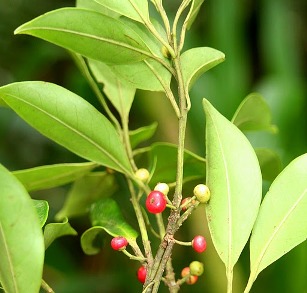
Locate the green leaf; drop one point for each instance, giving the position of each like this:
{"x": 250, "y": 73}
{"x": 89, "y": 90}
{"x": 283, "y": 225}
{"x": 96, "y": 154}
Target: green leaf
{"x": 85, "y": 191}
{"x": 49, "y": 176}
{"x": 106, "y": 214}
{"x": 270, "y": 163}
{"x": 134, "y": 9}
{"x": 197, "y": 61}
{"x": 42, "y": 209}
{"x": 142, "y": 134}
{"x": 196, "y": 4}
{"x": 254, "y": 114}
{"x": 53, "y": 231}
{"x": 234, "y": 179}
{"x": 88, "y": 33}
{"x": 21, "y": 238}
{"x": 163, "y": 157}
{"x": 92, "y": 5}
{"x": 281, "y": 223}
{"x": 92, "y": 240}
{"x": 68, "y": 120}
{"x": 118, "y": 90}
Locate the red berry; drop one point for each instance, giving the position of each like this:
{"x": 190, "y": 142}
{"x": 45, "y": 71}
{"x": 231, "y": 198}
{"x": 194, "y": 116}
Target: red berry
{"x": 155, "y": 202}
{"x": 141, "y": 274}
{"x": 199, "y": 243}
{"x": 119, "y": 243}
{"x": 191, "y": 279}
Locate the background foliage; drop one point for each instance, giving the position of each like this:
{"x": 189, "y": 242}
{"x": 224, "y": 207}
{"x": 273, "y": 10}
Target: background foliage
{"x": 266, "y": 51}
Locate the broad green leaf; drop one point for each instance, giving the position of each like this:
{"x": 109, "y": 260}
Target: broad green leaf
{"x": 118, "y": 90}
{"x": 42, "y": 209}
{"x": 21, "y": 238}
{"x": 53, "y": 231}
{"x": 197, "y": 61}
{"x": 49, "y": 176}
{"x": 134, "y": 9}
{"x": 88, "y": 33}
{"x": 163, "y": 157}
{"x": 92, "y": 240}
{"x": 85, "y": 191}
{"x": 68, "y": 120}
{"x": 270, "y": 163}
{"x": 106, "y": 213}
{"x": 234, "y": 179}
{"x": 196, "y": 4}
{"x": 92, "y": 5}
{"x": 281, "y": 223}
{"x": 142, "y": 134}
{"x": 253, "y": 114}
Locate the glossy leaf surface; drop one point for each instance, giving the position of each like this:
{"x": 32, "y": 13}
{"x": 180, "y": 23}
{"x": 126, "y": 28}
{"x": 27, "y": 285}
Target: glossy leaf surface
{"x": 254, "y": 114}
{"x": 281, "y": 224}
{"x": 234, "y": 179}
{"x": 68, "y": 120}
{"x": 53, "y": 231}
{"x": 196, "y": 4}
{"x": 197, "y": 61}
{"x": 134, "y": 9}
{"x": 21, "y": 238}
{"x": 88, "y": 33}
{"x": 42, "y": 209}
{"x": 49, "y": 176}
{"x": 85, "y": 191}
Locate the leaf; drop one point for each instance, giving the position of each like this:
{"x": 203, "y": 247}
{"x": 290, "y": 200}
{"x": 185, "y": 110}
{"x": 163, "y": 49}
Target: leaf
{"x": 88, "y": 33}
{"x": 196, "y": 4}
{"x": 164, "y": 155}
{"x": 254, "y": 114}
{"x": 85, "y": 191}
{"x": 53, "y": 231}
{"x": 68, "y": 120}
{"x": 119, "y": 91}
{"x": 142, "y": 134}
{"x": 106, "y": 213}
{"x": 21, "y": 238}
{"x": 134, "y": 9}
{"x": 270, "y": 163}
{"x": 50, "y": 176}
{"x": 42, "y": 209}
{"x": 92, "y": 5}
{"x": 234, "y": 179}
{"x": 92, "y": 240}
{"x": 197, "y": 61}
{"x": 281, "y": 223}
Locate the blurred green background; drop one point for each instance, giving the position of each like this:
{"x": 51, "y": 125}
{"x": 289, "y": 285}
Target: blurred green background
{"x": 265, "y": 43}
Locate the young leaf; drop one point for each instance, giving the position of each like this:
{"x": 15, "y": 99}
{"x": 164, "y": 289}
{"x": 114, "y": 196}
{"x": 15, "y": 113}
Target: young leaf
{"x": 134, "y": 9}
{"x": 281, "y": 223}
{"x": 42, "y": 209}
{"x": 197, "y": 61}
{"x": 21, "y": 238}
{"x": 234, "y": 179}
{"x": 253, "y": 114}
{"x": 270, "y": 163}
{"x": 68, "y": 120}
{"x": 142, "y": 134}
{"x": 118, "y": 90}
{"x": 92, "y": 240}
{"x": 106, "y": 213}
{"x": 196, "y": 4}
{"x": 85, "y": 191}
{"x": 90, "y": 34}
{"x": 45, "y": 177}
{"x": 53, "y": 231}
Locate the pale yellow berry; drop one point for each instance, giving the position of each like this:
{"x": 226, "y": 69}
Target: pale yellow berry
{"x": 196, "y": 268}
{"x": 202, "y": 193}
{"x": 162, "y": 187}
{"x": 142, "y": 174}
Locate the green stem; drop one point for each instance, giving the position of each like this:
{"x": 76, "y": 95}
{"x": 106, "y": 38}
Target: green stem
{"x": 250, "y": 283}
{"x": 134, "y": 257}
{"x": 229, "y": 280}
{"x": 46, "y": 287}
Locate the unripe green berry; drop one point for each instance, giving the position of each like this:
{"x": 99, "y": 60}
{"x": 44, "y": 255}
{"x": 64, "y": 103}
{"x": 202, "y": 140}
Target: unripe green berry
{"x": 196, "y": 268}
{"x": 162, "y": 187}
{"x": 142, "y": 174}
{"x": 202, "y": 193}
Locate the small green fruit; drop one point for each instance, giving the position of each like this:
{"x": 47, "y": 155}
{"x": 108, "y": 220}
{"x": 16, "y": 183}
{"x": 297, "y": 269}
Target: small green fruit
{"x": 196, "y": 268}
{"x": 142, "y": 174}
{"x": 202, "y": 193}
